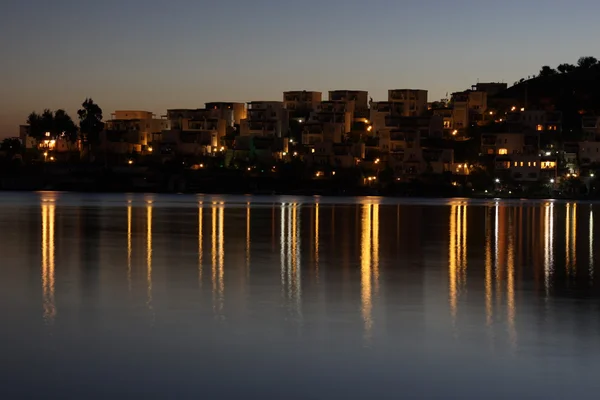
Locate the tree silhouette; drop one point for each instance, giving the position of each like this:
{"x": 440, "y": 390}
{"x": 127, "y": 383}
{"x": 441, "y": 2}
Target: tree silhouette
{"x": 11, "y": 145}
{"x": 565, "y": 68}
{"x": 52, "y": 124}
{"x": 90, "y": 122}
{"x": 587, "y": 62}
{"x": 547, "y": 71}
{"x": 64, "y": 125}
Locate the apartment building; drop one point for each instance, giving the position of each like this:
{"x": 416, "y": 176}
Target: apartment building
{"x": 132, "y": 131}
{"x": 265, "y": 118}
{"x": 360, "y": 98}
{"x": 535, "y": 120}
{"x": 408, "y": 102}
{"x": 232, "y": 113}
{"x": 468, "y": 106}
{"x": 301, "y": 100}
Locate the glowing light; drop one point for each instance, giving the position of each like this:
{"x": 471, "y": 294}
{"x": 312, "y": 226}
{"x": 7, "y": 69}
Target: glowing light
{"x": 149, "y": 254}
{"x": 312, "y": 150}
{"x": 365, "y": 267}
{"x": 200, "y": 240}
{"x": 129, "y": 247}
{"x": 48, "y": 274}
{"x": 150, "y": 149}
{"x": 455, "y": 132}
{"x": 369, "y": 128}
{"x": 130, "y": 162}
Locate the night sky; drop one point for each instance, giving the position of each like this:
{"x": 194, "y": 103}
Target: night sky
{"x": 155, "y": 55}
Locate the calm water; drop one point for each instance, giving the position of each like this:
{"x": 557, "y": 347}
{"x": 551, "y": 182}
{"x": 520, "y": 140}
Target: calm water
{"x": 124, "y": 296}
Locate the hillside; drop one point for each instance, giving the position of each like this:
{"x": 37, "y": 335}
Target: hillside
{"x": 572, "y": 93}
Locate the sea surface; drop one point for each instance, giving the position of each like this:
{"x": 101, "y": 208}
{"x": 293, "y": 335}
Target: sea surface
{"x": 223, "y": 297}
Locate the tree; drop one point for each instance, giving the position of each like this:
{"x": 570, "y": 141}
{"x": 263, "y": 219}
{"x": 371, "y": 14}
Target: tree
{"x": 90, "y": 122}
{"x": 64, "y": 125}
{"x": 587, "y": 62}
{"x": 52, "y": 124}
{"x": 11, "y": 146}
{"x": 547, "y": 71}
{"x": 36, "y": 130}
{"x": 565, "y": 68}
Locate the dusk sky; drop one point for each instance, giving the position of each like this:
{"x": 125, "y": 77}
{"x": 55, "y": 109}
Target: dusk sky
{"x": 153, "y": 55}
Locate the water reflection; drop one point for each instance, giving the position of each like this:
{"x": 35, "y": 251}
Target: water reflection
{"x": 498, "y": 253}
{"x": 248, "y": 249}
{"x": 457, "y": 255}
{"x": 369, "y": 263}
{"x": 200, "y": 239}
{"x": 48, "y": 272}
{"x": 317, "y": 242}
{"x": 218, "y": 257}
{"x": 489, "y": 313}
{"x": 591, "y": 245}
{"x": 548, "y": 245}
{"x": 129, "y": 246}
{"x": 290, "y": 255}
{"x": 149, "y": 254}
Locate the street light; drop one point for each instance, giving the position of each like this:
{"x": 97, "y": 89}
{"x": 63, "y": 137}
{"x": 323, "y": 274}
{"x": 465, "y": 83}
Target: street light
{"x": 497, "y": 180}
{"x": 551, "y": 180}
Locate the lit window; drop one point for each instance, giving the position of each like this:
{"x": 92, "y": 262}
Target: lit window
{"x": 535, "y": 164}
{"x": 522, "y": 163}
{"x": 529, "y": 164}
{"x": 502, "y": 151}
{"x": 515, "y": 163}
{"x": 540, "y": 127}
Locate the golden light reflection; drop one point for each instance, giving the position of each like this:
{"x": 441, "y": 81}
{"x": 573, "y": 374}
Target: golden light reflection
{"x": 48, "y": 273}
{"x": 200, "y": 239}
{"x": 591, "y": 245}
{"x": 548, "y": 245}
{"x": 317, "y": 241}
{"x": 365, "y": 269}
{"x": 248, "y": 210}
{"x": 149, "y": 253}
{"x": 291, "y": 279}
{"x": 375, "y": 245}
{"x": 510, "y": 285}
{"x": 218, "y": 256}
{"x": 129, "y": 247}
{"x": 488, "y": 273}
{"x": 457, "y": 255}
{"x": 500, "y": 246}
{"x": 571, "y": 239}
{"x": 221, "y": 252}
{"x": 214, "y": 254}
{"x": 568, "y": 238}
{"x": 452, "y": 290}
